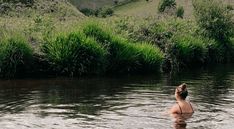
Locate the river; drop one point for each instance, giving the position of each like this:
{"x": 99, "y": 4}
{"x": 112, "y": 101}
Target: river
{"x": 120, "y": 102}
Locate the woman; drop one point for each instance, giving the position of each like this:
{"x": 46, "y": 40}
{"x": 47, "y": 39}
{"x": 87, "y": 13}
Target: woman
{"x": 182, "y": 106}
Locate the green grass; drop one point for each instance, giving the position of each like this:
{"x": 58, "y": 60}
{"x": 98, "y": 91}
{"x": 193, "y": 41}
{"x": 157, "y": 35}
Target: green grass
{"x": 15, "y": 57}
{"x": 125, "y": 56}
{"x": 188, "y": 51}
{"x": 131, "y": 44}
{"x": 144, "y": 9}
{"x": 94, "y": 4}
{"x": 74, "y": 54}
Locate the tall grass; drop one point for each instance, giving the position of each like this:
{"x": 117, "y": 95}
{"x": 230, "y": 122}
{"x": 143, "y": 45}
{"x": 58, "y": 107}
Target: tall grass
{"x": 15, "y": 57}
{"x": 187, "y": 51}
{"x": 74, "y": 54}
{"x": 125, "y": 56}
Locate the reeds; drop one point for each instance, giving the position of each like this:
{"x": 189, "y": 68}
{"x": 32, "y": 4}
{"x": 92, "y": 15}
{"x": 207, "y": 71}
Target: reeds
{"x": 15, "y": 57}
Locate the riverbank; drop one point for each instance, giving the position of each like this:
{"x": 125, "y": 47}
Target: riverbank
{"x": 80, "y": 45}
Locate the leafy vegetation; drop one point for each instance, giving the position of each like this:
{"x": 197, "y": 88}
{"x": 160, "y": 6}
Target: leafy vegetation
{"x": 166, "y": 4}
{"x": 187, "y": 51}
{"x": 180, "y": 12}
{"x": 215, "y": 21}
{"x": 214, "y": 18}
{"x": 125, "y": 56}
{"x": 74, "y": 54}
{"x": 144, "y": 42}
{"x": 101, "y": 12}
{"x": 15, "y": 57}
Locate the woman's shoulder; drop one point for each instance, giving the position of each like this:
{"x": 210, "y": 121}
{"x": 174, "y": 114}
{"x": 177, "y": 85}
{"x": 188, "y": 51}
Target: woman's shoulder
{"x": 175, "y": 109}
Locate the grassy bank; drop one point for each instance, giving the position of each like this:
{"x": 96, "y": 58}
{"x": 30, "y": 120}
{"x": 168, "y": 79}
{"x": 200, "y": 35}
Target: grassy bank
{"x": 65, "y": 42}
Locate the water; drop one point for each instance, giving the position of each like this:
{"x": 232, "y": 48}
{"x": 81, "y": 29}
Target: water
{"x": 118, "y": 102}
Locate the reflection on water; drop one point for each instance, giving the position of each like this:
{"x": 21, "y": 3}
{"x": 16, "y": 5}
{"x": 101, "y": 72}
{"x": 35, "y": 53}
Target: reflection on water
{"x": 118, "y": 102}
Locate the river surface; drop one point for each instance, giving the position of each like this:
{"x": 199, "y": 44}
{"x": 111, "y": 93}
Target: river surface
{"x": 123, "y": 102}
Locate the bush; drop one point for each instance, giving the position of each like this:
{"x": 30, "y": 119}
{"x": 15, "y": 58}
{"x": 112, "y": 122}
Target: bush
{"x": 180, "y": 12}
{"x": 150, "y": 56}
{"x": 26, "y": 2}
{"x": 215, "y": 19}
{"x": 163, "y": 4}
{"x": 102, "y": 12}
{"x": 230, "y": 7}
{"x": 15, "y": 57}
{"x": 88, "y": 12}
{"x": 216, "y": 52}
{"x": 187, "y": 51}
{"x": 107, "y": 11}
{"x": 231, "y": 47}
{"x": 74, "y": 54}
{"x": 123, "y": 55}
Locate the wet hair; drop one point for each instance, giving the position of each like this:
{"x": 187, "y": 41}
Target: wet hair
{"x": 182, "y": 91}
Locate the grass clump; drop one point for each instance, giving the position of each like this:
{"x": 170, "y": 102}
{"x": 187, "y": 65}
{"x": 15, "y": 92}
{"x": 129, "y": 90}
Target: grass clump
{"x": 15, "y": 57}
{"x": 187, "y": 51}
{"x": 74, "y": 54}
{"x": 163, "y": 4}
{"x": 180, "y": 12}
{"x": 101, "y": 12}
{"x": 125, "y": 56}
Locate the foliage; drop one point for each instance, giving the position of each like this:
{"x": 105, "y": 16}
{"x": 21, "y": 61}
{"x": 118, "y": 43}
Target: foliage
{"x": 166, "y": 4}
{"x": 89, "y": 12}
{"x": 15, "y": 57}
{"x": 180, "y": 12}
{"x": 106, "y": 11}
{"x": 74, "y": 54}
{"x": 26, "y": 2}
{"x": 216, "y": 52}
{"x": 101, "y": 12}
{"x": 215, "y": 19}
{"x": 187, "y": 51}
{"x": 125, "y": 56}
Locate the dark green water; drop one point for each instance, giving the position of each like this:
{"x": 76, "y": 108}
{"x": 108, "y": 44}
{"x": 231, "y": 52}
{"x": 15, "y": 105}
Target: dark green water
{"x": 118, "y": 102}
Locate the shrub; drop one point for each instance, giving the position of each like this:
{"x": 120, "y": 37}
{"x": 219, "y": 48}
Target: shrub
{"x": 87, "y": 11}
{"x": 231, "y": 47}
{"x": 15, "y": 57}
{"x": 150, "y": 56}
{"x": 180, "y": 12}
{"x": 216, "y": 52}
{"x": 74, "y": 54}
{"x": 230, "y": 7}
{"x": 106, "y": 11}
{"x": 26, "y": 2}
{"x": 123, "y": 55}
{"x": 187, "y": 51}
{"x": 215, "y": 19}
{"x": 163, "y": 4}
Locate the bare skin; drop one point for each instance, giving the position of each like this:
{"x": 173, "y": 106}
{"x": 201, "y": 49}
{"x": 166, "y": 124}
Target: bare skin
{"x": 181, "y": 103}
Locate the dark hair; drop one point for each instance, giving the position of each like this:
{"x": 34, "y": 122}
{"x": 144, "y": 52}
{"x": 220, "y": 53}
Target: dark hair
{"x": 182, "y": 90}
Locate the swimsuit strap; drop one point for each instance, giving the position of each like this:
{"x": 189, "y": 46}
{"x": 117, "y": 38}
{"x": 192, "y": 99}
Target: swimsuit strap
{"x": 191, "y": 106}
{"x": 180, "y": 108}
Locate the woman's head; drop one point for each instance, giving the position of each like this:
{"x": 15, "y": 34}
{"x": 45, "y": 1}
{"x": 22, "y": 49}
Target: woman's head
{"x": 181, "y": 91}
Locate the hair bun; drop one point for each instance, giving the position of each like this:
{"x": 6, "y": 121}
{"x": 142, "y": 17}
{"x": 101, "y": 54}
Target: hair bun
{"x": 183, "y": 86}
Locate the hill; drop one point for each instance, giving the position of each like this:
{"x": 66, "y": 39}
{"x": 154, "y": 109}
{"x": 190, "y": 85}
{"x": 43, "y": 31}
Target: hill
{"x": 35, "y": 18}
{"x": 95, "y": 4}
{"x": 143, "y": 8}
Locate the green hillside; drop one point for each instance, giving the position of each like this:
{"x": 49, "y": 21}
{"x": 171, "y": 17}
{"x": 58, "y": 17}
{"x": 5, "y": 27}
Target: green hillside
{"x": 142, "y": 8}
{"x": 34, "y": 19}
{"x": 94, "y": 4}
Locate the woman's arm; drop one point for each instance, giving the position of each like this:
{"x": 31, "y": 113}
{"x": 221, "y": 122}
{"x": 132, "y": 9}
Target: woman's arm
{"x": 174, "y": 109}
